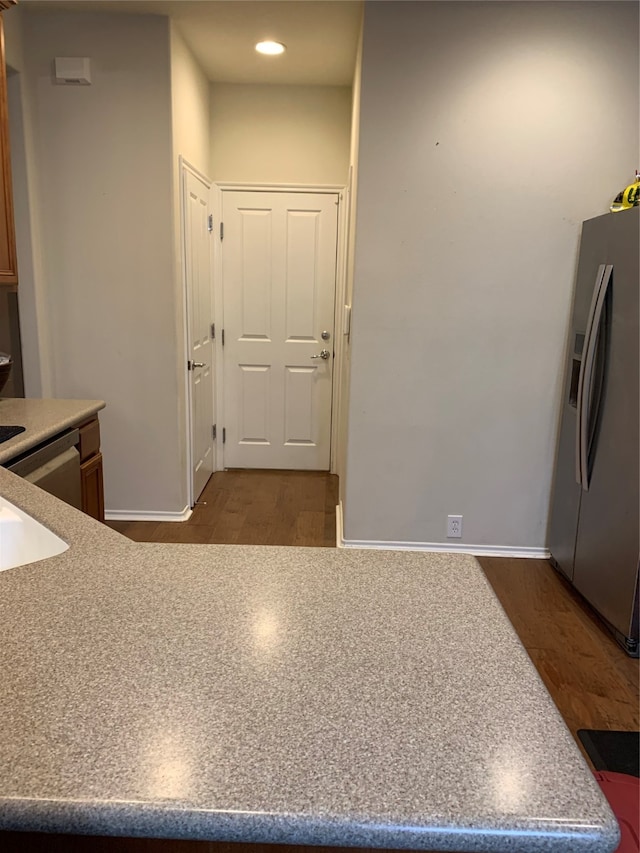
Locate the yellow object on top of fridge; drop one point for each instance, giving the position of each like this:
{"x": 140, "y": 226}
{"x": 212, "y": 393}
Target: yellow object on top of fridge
{"x": 629, "y": 197}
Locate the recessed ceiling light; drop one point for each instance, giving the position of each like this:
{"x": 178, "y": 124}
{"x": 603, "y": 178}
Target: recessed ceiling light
{"x": 270, "y": 48}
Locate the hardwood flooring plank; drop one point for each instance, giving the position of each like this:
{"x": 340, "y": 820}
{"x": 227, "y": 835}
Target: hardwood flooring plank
{"x": 253, "y": 508}
{"x": 180, "y": 533}
{"x": 330, "y": 506}
{"x": 587, "y": 697}
{"x": 548, "y": 613}
{"x": 211, "y": 503}
{"x": 309, "y": 528}
{"x": 594, "y": 684}
{"x": 139, "y": 531}
{"x": 228, "y": 528}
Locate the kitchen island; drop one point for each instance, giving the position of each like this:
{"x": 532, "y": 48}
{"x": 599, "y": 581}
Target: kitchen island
{"x": 277, "y": 695}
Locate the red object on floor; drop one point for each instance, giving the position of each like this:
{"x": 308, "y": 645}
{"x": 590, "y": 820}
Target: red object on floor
{"x": 623, "y": 793}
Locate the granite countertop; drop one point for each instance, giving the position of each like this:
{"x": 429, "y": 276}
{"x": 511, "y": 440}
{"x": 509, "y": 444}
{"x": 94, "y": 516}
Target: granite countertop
{"x": 42, "y": 420}
{"x": 286, "y": 695}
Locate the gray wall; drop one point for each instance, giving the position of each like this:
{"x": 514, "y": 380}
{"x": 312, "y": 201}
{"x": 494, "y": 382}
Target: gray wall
{"x": 34, "y": 326}
{"x": 280, "y": 134}
{"x": 345, "y": 373}
{"x": 488, "y": 132}
{"x": 106, "y": 242}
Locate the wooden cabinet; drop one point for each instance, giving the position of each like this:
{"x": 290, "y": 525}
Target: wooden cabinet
{"x": 8, "y": 262}
{"x": 92, "y": 488}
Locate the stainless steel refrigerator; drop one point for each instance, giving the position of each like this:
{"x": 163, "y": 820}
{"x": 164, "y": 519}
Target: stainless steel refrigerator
{"x": 594, "y": 526}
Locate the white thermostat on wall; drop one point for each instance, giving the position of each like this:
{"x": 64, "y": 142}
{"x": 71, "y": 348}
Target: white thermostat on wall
{"x": 73, "y": 70}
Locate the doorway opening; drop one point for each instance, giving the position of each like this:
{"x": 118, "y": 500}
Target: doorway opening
{"x": 287, "y": 508}
{"x": 278, "y": 274}
{"x": 270, "y": 327}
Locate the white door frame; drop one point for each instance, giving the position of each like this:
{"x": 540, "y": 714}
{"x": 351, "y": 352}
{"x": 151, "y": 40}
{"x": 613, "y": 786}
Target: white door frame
{"x": 218, "y": 188}
{"x": 184, "y": 167}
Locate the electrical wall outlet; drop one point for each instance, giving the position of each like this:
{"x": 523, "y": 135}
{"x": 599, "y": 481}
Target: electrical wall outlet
{"x": 454, "y": 527}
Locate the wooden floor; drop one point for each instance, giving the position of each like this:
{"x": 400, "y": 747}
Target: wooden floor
{"x": 591, "y": 679}
{"x": 253, "y": 508}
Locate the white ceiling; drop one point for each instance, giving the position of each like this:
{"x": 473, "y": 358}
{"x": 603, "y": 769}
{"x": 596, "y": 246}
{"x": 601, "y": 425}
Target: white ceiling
{"x": 321, "y": 35}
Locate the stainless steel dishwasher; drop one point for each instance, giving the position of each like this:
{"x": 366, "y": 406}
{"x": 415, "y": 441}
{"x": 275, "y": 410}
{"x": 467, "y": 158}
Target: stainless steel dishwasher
{"x": 53, "y": 466}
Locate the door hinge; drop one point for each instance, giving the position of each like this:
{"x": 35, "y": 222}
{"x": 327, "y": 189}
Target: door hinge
{"x": 210, "y": 223}
{"x": 213, "y": 331}
{"x": 224, "y": 435}
{"x": 222, "y": 337}
{"x": 222, "y": 230}
{"x": 214, "y": 432}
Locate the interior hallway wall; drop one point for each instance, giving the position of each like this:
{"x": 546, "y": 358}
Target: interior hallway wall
{"x": 488, "y": 133}
{"x": 107, "y": 240}
{"x": 345, "y": 373}
{"x": 190, "y": 105}
{"x": 190, "y": 127}
{"x": 280, "y": 134}
{"x": 37, "y": 352}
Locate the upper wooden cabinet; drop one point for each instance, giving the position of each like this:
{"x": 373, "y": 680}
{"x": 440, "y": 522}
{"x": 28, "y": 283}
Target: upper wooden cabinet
{"x": 8, "y": 263}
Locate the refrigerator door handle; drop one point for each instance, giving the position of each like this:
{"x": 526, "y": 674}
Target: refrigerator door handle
{"x": 585, "y": 382}
{"x": 592, "y": 309}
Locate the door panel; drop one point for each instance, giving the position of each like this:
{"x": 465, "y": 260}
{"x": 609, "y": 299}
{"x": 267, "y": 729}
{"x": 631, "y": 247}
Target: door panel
{"x": 279, "y": 268}
{"x": 302, "y": 281}
{"x": 254, "y": 404}
{"x": 200, "y": 343}
{"x": 300, "y": 414}
{"x": 256, "y": 227}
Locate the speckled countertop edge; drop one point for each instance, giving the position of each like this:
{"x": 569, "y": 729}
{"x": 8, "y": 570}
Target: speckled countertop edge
{"x": 90, "y": 540}
{"x": 170, "y": 821}
{"x": 42, "y": 419}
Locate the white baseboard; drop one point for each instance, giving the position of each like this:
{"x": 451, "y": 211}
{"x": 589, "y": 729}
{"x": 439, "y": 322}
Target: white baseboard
{"x": 440, "y": 547}
{"x": 339, "y": 526}
{"x": 132, "y": 515}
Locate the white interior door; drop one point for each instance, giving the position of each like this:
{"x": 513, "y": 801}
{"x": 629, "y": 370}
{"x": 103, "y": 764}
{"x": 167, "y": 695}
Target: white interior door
{"x": 199, "y": 337}
{"x": 279, "y": 278}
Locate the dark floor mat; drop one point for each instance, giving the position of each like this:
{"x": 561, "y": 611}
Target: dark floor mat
{"x": 7, "y": 432}
{"x": 618, "y": 752}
